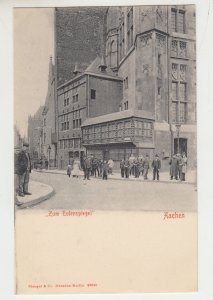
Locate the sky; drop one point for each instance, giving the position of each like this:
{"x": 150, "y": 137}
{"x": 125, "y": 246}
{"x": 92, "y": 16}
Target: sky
{"x": 33, "y": 46}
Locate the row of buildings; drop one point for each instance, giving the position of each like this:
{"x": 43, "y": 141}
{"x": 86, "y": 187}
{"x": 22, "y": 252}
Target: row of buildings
{"x": 123, "y": 81}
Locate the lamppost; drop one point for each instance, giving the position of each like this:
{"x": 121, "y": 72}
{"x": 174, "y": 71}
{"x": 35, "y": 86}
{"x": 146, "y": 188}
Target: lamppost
{"x": 178, "y": 137}
{"x": 49, "y": 149}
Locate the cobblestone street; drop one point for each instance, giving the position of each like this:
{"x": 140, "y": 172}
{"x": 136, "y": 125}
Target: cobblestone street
{"x": 97, "y": 194}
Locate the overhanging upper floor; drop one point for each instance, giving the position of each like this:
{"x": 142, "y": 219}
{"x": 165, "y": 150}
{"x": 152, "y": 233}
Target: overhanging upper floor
{"x": 129, "y": 126}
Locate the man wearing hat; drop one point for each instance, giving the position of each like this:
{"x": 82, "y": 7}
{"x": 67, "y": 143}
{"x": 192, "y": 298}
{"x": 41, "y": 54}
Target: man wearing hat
{"x": 174, "y": 167}
{"x": 23, "y": 170}
{"x": 156, "y": 165}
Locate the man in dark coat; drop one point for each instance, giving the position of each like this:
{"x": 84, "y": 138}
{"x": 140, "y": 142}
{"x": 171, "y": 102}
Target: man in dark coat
{"x": 122, "y": 168}
{"x": 126, "y": 168}
{"x": 87, "y": 165}
{"x": 105, "y": 170}
{"x": 95, "y": 168}
{"x": 136, "y": 167}
{"x": 23, "y": 169}
{"x": 174, "y": 167}
{"x": 16, "y": 176}
{"x": 156, "y": 165}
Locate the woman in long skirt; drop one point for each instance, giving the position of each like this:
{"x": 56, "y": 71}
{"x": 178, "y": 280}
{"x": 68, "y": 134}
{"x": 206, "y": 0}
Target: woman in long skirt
{"x": 76, "y": 168}
{"x": 184, "y": 167}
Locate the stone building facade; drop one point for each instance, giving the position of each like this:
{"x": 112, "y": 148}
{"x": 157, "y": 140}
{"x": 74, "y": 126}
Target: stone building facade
{"x": 124, "y": 81}
{"x": 94, "y": 92}
{"x": 49, "y": 120}
{"x": 153, "y": 49}
{"x": 35, "y": 134}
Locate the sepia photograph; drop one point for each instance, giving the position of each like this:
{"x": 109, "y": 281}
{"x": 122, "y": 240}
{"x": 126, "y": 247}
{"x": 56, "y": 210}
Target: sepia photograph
{"x": 105, "y": 149}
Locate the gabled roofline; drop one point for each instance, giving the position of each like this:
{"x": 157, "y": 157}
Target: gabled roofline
{"x": 91, "y": 74}
{"x": 70, "y": 81}
{"x": 104, "y": 76}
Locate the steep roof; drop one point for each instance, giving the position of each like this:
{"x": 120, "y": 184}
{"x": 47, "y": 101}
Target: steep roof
{"x": 93, "y": 68}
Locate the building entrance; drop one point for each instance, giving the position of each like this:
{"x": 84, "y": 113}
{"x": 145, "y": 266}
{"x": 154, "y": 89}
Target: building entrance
{"x": 180, "y": 145}
{"x": 106, "y": 154}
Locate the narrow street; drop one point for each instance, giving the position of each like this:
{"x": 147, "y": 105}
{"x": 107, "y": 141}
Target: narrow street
{"x": 116, "y": 195}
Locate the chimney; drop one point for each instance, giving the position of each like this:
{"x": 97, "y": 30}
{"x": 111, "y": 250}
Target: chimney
{"x": 76, "y": 70}
{"x": 102, "y": 65}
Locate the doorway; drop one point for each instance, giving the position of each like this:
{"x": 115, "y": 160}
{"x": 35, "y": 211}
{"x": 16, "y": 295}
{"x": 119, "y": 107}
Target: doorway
{"x": 180, "y": 145}
{"x": 106, "y": 154}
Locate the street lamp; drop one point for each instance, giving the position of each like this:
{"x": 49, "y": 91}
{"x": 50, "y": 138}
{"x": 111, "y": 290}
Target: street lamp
{"x": 178, "y": 137}
{"x": 49, "y": 149}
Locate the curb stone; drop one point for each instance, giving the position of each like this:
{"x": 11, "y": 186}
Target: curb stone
{"x": 37, "y": 200}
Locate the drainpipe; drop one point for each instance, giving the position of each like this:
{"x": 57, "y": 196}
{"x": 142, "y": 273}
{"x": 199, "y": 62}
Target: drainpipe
{"x": 56, "y": 95}
{"x": 169, "y": 75}
{"x": 88, "y": 96}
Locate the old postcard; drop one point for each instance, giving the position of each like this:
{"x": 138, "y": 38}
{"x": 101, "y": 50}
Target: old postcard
{"x": 105, "y": 150}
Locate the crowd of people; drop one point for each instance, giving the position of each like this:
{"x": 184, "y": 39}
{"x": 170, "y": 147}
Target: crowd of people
{"x": 131, "y": 166}
{"x": 91, "y": 166}
{"x": 137, "y": 166}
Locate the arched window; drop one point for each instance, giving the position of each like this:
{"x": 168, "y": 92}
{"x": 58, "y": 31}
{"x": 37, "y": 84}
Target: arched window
{"x": 113, "y": 49}
{"x": 113, "y": 46}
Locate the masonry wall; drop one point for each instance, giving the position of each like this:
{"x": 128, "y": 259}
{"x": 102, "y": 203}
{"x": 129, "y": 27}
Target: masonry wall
{"x": 66, "y": 113}
{"x": 35, "y": 127}
{"x": 127, "y": 70}
{"x": 108, "y": 96}
{"x": 150, "y": 17}
{"x": 49, "y": 119}
{"x": 145, "y": 73}
{"x": 78, "y": 38}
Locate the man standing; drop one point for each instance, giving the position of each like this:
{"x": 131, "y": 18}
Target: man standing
{"x": 126, "y": 168}
{"x": 136, "y": 167}
{"x": 87, "y": 168}
{"x": 180, "y": 165}
{"x": 16, "y": 176}
{"x": 156, "y": 165}
{"x": 122, "y": 168}
{"x": 105, "y": 170}
{"x": 173, "y": 167}
{"x": 24, "y": 170}
{"x": 131, "y": 164}
{"x": 146, "y": 167}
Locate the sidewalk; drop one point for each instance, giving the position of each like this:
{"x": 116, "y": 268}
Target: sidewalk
{"x": 164, "y": 176}
{"x": 39, "y": 191}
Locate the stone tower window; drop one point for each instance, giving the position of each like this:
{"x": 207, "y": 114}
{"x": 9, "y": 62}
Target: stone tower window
{"x": 178, "y": 20}
{"x": 130, "y": 28}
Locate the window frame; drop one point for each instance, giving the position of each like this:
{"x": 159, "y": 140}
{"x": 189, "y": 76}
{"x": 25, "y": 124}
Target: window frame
{"x": 92, "y": 94}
